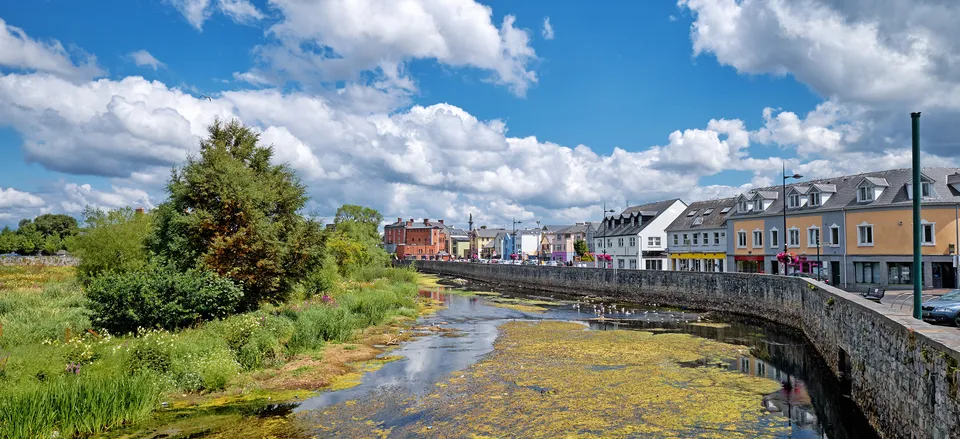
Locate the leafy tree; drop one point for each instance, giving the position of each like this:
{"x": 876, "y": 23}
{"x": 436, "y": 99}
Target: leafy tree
{"x": 233, "y": 212}
{"x": 56, "y": 224}
{"x": 9, "y": 241}
{"x": 580, "y": 246}
{"x": 113, "y": 241}
{"x": 355, "y": 242}
{"x": 52, "y": 244}
{"x": 363, "y": 218}
{"x": 30, "y": 239}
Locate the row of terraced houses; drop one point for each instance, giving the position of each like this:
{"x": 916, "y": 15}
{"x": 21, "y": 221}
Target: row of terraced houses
{"x": 854, "y": 231}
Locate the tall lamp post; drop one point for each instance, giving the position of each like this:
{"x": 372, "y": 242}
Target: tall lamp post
{"x": 786, "y": 233}
{"x": 515, "y": 222}
{"x": 603, "y": 237}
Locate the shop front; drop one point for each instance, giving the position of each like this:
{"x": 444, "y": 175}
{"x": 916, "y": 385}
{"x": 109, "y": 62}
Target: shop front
{"x": 697, "y": 261}
{"x": 749, "y": 264}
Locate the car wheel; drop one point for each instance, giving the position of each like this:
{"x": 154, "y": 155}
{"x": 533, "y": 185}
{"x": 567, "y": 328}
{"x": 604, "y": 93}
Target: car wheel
{"x": 956, "y": 320}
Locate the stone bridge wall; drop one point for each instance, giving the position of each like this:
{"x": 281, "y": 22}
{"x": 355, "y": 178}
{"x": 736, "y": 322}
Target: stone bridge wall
{"x": 902, "y": 373}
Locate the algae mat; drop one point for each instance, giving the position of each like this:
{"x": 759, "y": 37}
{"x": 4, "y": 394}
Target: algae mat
{"x": 557, "y": 379}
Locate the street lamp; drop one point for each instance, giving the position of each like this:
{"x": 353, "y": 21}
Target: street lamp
{"x": 515, "y": 222}
{"x": 786, "y": 233}
{"x": 602, "y": 237}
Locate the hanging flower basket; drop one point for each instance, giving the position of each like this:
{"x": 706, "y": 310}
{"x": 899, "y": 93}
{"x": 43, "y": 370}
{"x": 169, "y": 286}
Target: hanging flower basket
{"x": 514, "y": 256}
{"x": 787, "y": 258}
{"x": 607, "y": 258}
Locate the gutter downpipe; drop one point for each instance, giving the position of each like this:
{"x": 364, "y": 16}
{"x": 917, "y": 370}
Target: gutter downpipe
{"x": 917, "y": 227}
{"x": 843, "y": 271}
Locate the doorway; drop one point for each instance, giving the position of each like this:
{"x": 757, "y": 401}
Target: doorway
{"x": 835, "y": 273}
{"x": 943, "y": 276}
{"x": 774, "y": 267}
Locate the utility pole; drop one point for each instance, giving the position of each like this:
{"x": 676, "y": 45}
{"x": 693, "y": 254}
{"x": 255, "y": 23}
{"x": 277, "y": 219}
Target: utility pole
{"x": 917, "y": 227}
{"x": 786, "y": 233}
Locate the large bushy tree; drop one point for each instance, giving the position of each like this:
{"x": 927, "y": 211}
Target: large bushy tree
{"x": 234, "y": 212}
{"x": 580, "y": 247}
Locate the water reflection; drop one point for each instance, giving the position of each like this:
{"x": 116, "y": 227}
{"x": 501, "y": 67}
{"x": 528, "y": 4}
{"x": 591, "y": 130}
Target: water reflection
{"x": 808, "y": 400}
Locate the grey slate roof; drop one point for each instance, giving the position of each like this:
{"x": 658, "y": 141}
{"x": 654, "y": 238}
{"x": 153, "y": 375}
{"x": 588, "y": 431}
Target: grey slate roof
{"x": 457, "y": 233}
{"x": 487, "y": 233}
{"x": 845, "y": 196}
{"x": 643, "y": 213}
{"x": 713, "y": 220}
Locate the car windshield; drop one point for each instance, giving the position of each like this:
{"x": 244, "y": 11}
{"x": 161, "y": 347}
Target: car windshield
{"x": 953, "y": 296}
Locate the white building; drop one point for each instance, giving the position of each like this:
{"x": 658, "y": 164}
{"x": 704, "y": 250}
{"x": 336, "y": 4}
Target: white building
{"x": 637, "y": 237}
{"x": 527, "y": 242}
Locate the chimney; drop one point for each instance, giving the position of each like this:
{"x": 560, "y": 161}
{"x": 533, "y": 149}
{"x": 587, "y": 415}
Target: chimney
{"x": 410, "y": 223}
{"x": 441, "y": 221}
{"x": 399, "y": 220}
{"x": 426, "y": 221}
{"x": 139, "y": 210}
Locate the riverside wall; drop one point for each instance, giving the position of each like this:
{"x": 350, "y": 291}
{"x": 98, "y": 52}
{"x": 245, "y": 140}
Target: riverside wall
{"x": 904, "y": 374}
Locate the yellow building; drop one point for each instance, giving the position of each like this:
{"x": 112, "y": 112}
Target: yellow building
{"x": 854, "y": 231}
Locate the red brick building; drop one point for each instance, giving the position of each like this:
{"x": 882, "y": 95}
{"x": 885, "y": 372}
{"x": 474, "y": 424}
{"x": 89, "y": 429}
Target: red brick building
{"x": 424, "y": 240}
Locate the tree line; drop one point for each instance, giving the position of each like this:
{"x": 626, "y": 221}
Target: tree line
{"x": 46, "y": 234}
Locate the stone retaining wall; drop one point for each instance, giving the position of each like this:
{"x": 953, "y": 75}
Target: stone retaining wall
{"x": 58, "y": 261}
{"x": 904, "y": 374}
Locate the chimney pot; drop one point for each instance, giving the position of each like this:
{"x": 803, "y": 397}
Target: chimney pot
{"x": 399, "y": 219}
{"x": 441, "y": 221}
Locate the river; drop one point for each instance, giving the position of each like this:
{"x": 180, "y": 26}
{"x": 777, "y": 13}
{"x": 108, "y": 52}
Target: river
{"x": 588, "y": 368}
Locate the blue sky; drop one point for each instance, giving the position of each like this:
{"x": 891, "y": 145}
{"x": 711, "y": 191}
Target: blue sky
{"x": 418, "y": 114}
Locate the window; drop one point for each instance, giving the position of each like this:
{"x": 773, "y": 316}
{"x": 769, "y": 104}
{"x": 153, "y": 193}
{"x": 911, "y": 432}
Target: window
{"x": 924, "y": 189}
{"x": 633, "y": 241}
{"x": 716, "y": 238}
{"x": 706, "y": 239}
{"x": 600, "y": 243}
{"x": 609, "y": 243}
{"x": 834, "y": 236}
{"x": 696, "y": 240}
{"x": 927, "y": 234}
{"x": 867, "y": 272}
{"x": 743, "y": 207}
{"x": 633, "y": 264}
{"x": 692, "y": 213}
{"x": 742, "y": 239}
{"x": 865, "y": 235}
{"x": 813, "y": 236}
{"x": 676, "y": 239}
{"x": 620, "y": 242}
{"x": 864, "y": 193}
{"x": 654, "y": 264}
{"x": 899, "y": 272}
{"x": 698, "y": 220}
{"x": 758, "y": 204}
{"x": 654, "y": 241}
{"x": 725, "y": 210}
{"x": 620, "y": 263}
{"x": 707, "y": 212}
{"x": 686, "y": 239}
{"x": 774, "y": 238}
{"x": 794, "y": 201}
{"x": 814, "y": 198}
{"x": 793, "y": 237}
{"x": 757, "y": 238}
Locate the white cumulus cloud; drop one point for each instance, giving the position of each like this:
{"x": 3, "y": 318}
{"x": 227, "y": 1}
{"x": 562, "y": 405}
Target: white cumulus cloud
{"x": 142, "y": 58}
{"x": 547, "y": 30}
{"x": 19, "y": 51}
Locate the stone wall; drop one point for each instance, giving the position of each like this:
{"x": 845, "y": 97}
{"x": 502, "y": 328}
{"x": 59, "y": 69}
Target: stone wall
{"x": 58, "y": 261}
{"x": 904, "y": 374}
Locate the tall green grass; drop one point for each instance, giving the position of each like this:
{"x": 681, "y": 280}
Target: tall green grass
{"x": 121, "y": 378}
{"x": 75, "y": 405}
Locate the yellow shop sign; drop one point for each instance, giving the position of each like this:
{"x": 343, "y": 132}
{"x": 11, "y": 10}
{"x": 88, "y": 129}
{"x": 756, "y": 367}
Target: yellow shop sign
{"x": 698, "y": 255}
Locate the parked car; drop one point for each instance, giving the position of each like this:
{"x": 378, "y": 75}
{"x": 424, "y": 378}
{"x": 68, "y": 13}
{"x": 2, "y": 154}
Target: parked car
{"x": 943, "y": 309}
{"x": 810, "y": 276}
{"x": 552, "y": 263}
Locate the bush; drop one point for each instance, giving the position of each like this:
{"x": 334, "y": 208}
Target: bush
{"x": 160, "y": 297}
{"x": 319, "y": 323}
{"x": 113, "y": 241}
{"x": 323, "y": 278}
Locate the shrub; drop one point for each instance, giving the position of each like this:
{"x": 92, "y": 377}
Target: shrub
{"x": 318, "y": 323}
{"x": 113, "y": 241}
{"x": 323, "y": 278}
{"x": 160, "y": 297}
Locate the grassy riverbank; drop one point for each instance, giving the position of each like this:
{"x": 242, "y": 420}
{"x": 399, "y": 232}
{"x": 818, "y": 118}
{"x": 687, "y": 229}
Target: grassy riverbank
{"x": 59, "y": 376}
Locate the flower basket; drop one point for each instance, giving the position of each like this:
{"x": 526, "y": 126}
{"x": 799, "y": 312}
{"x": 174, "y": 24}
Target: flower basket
{"x": 788, "y": 258}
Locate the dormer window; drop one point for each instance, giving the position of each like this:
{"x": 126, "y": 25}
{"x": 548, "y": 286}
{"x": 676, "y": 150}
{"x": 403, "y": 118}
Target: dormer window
{"x": 864, "y": 193}
{"x": 925, "y": 189}
{"x": 814, "y": 198}
{"x": 743, "y": 206}
{"x": 794, "y": 201}
{"x": 758, "y": 204}
{"x": 698, "y": 221}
